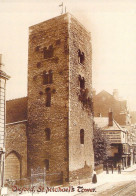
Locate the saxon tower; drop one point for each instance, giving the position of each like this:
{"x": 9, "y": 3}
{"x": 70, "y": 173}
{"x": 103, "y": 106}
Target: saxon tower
{"x": 60, "y": 98}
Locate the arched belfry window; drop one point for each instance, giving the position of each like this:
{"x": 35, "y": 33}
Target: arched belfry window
{"x": 48, "y": 97}
{"x": 47, "y": 134}
{"x": 82, "y": 136}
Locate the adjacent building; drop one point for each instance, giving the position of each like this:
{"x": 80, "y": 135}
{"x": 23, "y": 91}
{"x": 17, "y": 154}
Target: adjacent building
{"x": 131, "y": 141}
{"x": 16, "y": 139}
{"x": 104, "y": 102}
{"x": 120, "y": 149}
{"x": 3, "y": 79}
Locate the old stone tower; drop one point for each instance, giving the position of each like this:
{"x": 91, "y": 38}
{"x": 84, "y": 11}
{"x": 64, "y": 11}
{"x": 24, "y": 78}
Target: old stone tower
{"x": 60, "y": 98}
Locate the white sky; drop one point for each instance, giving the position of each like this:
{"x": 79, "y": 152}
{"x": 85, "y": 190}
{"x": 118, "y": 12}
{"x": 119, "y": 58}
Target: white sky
{"x": 112, "y": 24}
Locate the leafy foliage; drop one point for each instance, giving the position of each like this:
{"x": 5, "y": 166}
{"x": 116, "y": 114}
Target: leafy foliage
{"x": 86, "y": 101}
{"x": 101, "y": 145}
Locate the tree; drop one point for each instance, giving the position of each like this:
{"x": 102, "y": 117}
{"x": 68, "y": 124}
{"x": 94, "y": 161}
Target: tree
{"x": 101, "y": 145}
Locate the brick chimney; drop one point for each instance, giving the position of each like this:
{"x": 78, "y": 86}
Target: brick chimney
{"x": 110, "y": 118}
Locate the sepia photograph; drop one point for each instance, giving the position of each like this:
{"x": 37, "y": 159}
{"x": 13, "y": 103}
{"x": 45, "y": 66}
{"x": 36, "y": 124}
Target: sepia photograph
{"x": 68, "y": 97}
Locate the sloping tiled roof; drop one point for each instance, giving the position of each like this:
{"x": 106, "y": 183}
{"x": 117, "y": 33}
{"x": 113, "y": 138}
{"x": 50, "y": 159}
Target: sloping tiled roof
{"x": 4, "y": 75}
{"x": 104, "y": 92}
{"x": 103, "y": 122}
{"x": 16, "y": 110}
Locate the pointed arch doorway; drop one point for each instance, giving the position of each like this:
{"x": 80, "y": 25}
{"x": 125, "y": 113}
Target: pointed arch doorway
{"x": 13, "y": 166}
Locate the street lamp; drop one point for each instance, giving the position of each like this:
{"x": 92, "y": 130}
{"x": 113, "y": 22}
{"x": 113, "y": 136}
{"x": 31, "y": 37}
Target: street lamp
{"x": 3, "y": 78}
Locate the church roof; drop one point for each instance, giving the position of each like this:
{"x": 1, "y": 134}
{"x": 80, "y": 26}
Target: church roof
{"x": 16, "y": 110}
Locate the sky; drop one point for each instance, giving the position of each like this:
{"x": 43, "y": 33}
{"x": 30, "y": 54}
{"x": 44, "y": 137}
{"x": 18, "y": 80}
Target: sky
{"x": 112, "y": 24}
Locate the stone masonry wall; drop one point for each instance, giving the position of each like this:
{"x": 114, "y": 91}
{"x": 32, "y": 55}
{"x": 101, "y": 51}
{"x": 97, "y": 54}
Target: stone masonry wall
{"x": 81, "y": 156}
{"x": 16, "y": 144}
{"x": 53, "y": 35}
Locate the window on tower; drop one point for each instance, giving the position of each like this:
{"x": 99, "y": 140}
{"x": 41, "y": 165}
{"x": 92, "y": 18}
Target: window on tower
{"x": 46, "y": 164}
{"x": 50, "y": 77}
{"x": 47, "y": 134}
{"x": 81, "y": 57}
{"x": 82, "y": 82}
{"x": 47, "y": 77}
{"x": 48, "y": 52}
{"x": 48, "y": 97}
{"x": 82, "y": 136}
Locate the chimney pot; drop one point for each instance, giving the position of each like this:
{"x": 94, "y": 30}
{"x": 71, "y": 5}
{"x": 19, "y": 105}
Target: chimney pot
{"x": 110, "y": 118}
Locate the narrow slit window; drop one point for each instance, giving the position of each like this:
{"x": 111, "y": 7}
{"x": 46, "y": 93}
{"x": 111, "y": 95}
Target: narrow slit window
{"x": 47, "y": 134}
{"x": 50, "y": 76}
{"x": 81, "y": 57}
{"x": 82, "y": 136}
{"x": 47, "y": 164}
{"x": 82, "y": 83}
{"x": 45, "y": 77}
{"x": 48, "y": 97}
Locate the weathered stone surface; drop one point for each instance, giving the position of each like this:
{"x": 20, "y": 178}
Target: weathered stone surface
{"x": 16, "y": 149}
{"x": 52, "y": 32}
{"x": 81, "y": 156}
{"x": 60, "y": 103}
{"x": 67, "y": 114}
